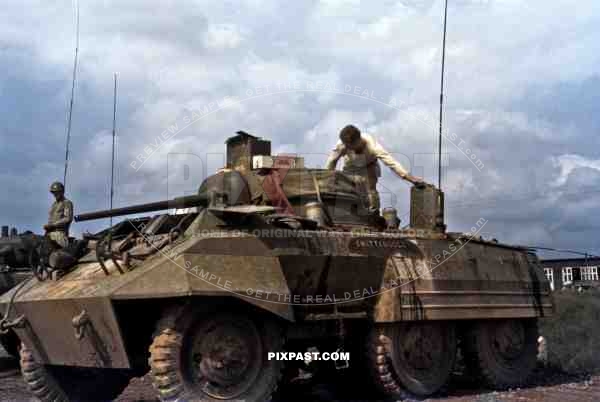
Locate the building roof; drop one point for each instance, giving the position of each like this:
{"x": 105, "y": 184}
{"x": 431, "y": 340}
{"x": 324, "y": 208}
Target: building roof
{"x": 571, "y": 262}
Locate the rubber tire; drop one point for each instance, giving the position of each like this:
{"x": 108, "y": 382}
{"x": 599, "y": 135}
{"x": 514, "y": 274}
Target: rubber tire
{"x": 482, "y": 362}
{"x": 70, "y": 384}
{"x": 399, "y": 385}
{"x": 166, "y": 357}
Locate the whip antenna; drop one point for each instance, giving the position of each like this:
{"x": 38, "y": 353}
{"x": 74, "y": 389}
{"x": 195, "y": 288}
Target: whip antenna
{"x": 112, "y": 163}
{"x": 442, "y": 98}
{"x": 72, "y": 92}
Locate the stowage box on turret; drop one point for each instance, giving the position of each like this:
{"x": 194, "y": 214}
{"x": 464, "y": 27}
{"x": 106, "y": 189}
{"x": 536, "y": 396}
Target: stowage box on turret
{"x": 271, "y": 259}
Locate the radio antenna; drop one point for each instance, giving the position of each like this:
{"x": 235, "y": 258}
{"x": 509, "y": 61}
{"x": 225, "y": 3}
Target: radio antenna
{"x": 72, "y": 92}
{"x": 442, "y": 98}
{"x": 112, "y": 163}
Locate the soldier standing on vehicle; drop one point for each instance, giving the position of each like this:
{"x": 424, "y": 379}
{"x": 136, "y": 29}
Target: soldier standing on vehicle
{"x": 361, "y": 153}
{"x": 60, "y": 216}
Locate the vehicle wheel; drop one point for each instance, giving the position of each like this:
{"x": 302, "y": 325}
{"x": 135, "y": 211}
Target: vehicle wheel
{"x": 411, "y": 359}
{"x": 503, "y": 353}
{"x": 10, "y": 342}
{"x": 216, "y": 356}
{"x": 71, "y": 384}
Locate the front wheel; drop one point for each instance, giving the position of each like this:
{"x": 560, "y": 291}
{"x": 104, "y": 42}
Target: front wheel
{"x": 216, "y": 356}
{"x": 71, "y": 384}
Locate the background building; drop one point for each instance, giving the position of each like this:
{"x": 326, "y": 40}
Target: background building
{"x": 564, "y": 271}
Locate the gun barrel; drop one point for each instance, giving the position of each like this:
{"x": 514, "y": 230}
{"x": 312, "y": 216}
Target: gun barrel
{"x": 179, "y": 202}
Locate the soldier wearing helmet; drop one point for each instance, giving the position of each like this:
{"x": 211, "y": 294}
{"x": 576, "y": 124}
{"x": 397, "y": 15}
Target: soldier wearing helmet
{"x": 361, "y": 154}
{"x": 60, "y": 216}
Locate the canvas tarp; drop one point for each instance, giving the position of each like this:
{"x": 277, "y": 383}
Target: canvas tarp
{"x": 301, "y": 182}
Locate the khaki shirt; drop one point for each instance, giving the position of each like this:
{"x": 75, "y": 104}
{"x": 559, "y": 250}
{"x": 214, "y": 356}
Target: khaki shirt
{"x": 359, "y": 163}
{"x": 61, "y": 216}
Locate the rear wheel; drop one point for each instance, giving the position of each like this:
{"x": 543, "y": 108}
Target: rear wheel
{"x": 71, "y": 384}
{"x": 200, "y": 356}
{"x": 501, "y": 352}
{"x": 412, "y": 359}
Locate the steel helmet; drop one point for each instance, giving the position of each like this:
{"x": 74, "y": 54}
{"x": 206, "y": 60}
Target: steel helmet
{"x": 57, "y": 187}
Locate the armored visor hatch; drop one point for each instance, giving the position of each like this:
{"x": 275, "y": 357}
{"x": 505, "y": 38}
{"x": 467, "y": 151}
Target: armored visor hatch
{"x": 268, "y": 257}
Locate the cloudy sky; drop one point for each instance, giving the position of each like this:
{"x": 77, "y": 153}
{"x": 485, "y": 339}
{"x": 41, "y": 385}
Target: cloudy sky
{"x": 522, "y": 99}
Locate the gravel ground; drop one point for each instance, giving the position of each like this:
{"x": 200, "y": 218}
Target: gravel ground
{"x": 546, "y": 386}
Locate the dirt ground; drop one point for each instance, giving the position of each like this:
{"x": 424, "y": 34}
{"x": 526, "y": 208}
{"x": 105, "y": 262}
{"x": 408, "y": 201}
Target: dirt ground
{"x": 546, "y": 386}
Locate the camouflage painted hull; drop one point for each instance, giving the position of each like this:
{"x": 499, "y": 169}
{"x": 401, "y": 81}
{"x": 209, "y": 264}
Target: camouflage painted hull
{"x": 301, "y": 276}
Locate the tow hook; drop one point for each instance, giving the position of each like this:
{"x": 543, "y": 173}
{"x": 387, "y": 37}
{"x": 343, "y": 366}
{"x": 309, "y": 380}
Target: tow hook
{"x": 6, "y": 325}
{"x": 80, "y": 321}
{"x": 84, "y": 328}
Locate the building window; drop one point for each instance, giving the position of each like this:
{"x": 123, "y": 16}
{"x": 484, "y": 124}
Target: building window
{"x": 584, "y": 273}
{"x": 589, "y": 273}
{"x": 567, "y": 274}
{"x": 549, "y": 272}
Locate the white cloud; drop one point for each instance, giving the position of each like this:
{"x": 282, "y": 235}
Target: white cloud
{"x": 223, "y": 36}
{"x": 569, "y": 162}
{"x": 172, "y": 59}
{"x": 326, "y": 131}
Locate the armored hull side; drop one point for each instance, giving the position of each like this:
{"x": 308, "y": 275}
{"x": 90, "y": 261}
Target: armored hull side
{"x": 186, "y": 269}
{"x": 463, "y": 279}
{"x": 304, "y": 276}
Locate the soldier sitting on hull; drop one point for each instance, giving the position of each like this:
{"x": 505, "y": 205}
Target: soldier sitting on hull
{"x": 60, "y": 216}
{"x": 361, "y": 154}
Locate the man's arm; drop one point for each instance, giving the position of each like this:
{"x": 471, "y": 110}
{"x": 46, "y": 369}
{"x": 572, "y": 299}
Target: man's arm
{"x": 392, "y": 163}
{"x": 335, "y": 156}
{"x": 384, "y": 156}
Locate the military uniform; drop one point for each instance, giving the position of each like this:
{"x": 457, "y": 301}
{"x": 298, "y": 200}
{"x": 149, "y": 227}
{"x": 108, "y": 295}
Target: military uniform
{"x": 364, "y": 167}
{"x": 59, "y": 219}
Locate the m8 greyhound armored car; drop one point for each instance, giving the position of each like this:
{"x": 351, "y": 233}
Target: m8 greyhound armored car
{"x": 269, "y": 257}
